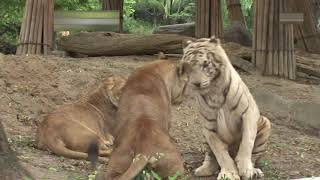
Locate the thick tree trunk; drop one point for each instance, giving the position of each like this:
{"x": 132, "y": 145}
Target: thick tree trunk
{"x": 9, "y": 166}
{"x": 114, "y": 5}
{"x": 114, "y": 44}
{"x": 307, "y": 34}
{"x": 235, "y": 11}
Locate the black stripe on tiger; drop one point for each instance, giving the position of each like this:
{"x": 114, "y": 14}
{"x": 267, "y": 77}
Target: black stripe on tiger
{"x": 227, "y": 89}
{"x": 237, "y": 104}
{"x": 208, "y": 119}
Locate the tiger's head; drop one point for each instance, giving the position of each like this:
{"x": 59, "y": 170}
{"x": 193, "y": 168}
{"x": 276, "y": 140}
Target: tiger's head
{"x": 204, "y": 60}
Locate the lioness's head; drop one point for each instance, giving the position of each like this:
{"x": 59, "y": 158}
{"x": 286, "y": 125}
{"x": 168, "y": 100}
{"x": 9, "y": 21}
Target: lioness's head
{"x": 114, "y": 85}
{"x": 203, "y": 60}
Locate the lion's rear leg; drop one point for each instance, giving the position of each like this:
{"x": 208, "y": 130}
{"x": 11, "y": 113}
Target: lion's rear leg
{"x": 264, "y": 130}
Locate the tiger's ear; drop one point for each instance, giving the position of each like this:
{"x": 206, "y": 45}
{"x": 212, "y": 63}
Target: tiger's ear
{"x": 215, "y": 40}
{"x": 185, "y": 43}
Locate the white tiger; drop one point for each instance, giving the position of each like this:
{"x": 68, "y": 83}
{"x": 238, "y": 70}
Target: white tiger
{"x": 234, "y": 129}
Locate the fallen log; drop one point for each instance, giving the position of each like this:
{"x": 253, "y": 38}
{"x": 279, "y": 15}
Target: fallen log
{"x": 115, "y": 44}
{"x": 187, "y": 29}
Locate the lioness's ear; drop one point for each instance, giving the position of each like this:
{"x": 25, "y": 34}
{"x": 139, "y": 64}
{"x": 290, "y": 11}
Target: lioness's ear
{"x": 161, "y": 55}
{"x": 215, "y": 40}
{"x": 114, "y": 99}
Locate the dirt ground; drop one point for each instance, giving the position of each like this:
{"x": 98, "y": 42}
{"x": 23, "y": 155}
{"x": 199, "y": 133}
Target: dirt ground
{"x": 32, "y": 86}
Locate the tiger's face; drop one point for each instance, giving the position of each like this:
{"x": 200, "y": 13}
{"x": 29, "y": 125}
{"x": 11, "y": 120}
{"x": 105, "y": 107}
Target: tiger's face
{"x": 202, "y": 62}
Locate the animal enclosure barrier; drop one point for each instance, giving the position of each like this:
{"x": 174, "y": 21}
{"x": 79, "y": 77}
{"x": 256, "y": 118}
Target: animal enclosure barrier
{"x": 37, "y": 27}
{"x": 209, "y": 20}
{"x": 273, "y": 42}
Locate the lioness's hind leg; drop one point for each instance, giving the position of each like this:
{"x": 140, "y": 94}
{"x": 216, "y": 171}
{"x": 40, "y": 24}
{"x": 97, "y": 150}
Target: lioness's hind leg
{"x": 264, "y": 131}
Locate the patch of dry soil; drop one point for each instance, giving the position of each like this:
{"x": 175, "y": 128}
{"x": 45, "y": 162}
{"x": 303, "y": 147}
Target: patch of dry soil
{"x": 32, "y": 86}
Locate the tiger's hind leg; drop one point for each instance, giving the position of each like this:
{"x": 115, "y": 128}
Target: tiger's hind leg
{"x": 263, "y": 134}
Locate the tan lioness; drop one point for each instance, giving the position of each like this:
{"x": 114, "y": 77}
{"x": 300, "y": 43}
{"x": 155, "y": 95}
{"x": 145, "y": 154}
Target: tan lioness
{"x": 142, "y": 133}
{"x": 71, "y": 129}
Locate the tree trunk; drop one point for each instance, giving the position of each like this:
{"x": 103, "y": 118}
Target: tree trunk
{"x": 10, "y": 168}
{"x": 273, "y": 42}
{"x": 307, "y": 34}
{"x": 114, "y": 5}
{"x": 235, "y": 12}
{"x": 114, "y": 44}
{"x": 209, "y": 20}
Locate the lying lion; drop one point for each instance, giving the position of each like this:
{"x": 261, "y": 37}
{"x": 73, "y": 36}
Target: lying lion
{"x": 142, "y": 133}
{"x": 71, "y": 129}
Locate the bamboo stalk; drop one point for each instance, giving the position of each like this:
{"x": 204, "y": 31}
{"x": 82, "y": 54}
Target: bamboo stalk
{"x": 263, "y": 62}
{"x": 207, "y": 18}
{"x": 276, "y": 38}
{"x": 50, "y": 23}
{"x": 198, "y": 27}
{"x": 259, "y": 31}
{"x": 270, "y": 68}
{"x": 23, "y": 28}
{"x": 45, "y": 27}
{"x": 32, "y": 28}
{"x": 39, "y": 30}
{"x": 281, "y": 43}
{"x": 254, "y": 39}
{"x": 27, "y": 33}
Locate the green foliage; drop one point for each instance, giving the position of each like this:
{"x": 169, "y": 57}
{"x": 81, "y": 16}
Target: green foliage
{"x": 129, "y": 7}
{"x": 80, "y": 5}
{"x": 134, "y": 26}
{"x": 10, "y": 14}
{"x": 247, "y": 6}
{"x": 148, "y": 173}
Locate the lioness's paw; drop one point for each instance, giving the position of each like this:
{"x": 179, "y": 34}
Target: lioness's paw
{"x": 204, "y": 171}
{"x": 208, "y": 168}
{"x": 228, "y": 175}
{"x": 247, "y": 171}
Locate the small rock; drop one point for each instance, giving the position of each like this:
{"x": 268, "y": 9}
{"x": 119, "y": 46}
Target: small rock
{"x": 294, "y": 173}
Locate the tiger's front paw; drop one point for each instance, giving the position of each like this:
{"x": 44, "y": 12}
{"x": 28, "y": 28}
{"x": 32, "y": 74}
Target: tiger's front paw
{"x": 247, "y": 171}
{"x": 228, "y": 175}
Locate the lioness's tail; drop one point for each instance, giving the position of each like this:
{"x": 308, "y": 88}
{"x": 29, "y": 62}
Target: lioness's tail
{"x": 138, "y": 164}
{"x": 59, "y": 148}
{"x": 93, "y": 153}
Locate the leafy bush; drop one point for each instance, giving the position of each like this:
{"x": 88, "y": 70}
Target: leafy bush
{"x": 149, "y": 10}
{"x": 10, "y": 15}
{"x": 134, "y": 26}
